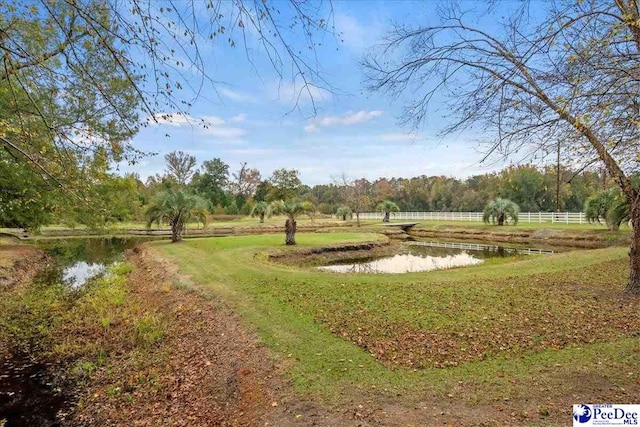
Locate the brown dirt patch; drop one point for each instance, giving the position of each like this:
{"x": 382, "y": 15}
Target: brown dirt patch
{"x": 328, "y": 254}
{"x": 19, "y": 264}
{"x": 580, "y": 239}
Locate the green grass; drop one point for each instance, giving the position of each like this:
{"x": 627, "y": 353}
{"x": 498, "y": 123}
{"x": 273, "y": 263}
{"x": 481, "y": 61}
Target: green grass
{"x": 493, "y": 330}
{"x": 375, "y": 224}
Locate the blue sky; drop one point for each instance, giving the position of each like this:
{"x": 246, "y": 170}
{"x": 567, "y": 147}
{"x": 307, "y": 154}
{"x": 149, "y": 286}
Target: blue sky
{"x": 253, "y": 116}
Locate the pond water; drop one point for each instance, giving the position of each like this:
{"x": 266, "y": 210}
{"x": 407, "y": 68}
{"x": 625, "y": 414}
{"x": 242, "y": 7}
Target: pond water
{"x": 28, "y": 396}
{"x": 430, "y": 255}
{"x": 76, "y": 260}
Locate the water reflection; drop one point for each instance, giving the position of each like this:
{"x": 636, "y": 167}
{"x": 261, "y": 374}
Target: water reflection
{"x": 487, "y": 249}
{"x": 77, "y": 260}
{"x": 431, "y": 255}
{"x": 406, "y": 263}
{"x": 79, "y": 273}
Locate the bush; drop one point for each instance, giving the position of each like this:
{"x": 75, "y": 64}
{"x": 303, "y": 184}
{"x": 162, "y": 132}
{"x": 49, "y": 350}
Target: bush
{"x": 325, "y": 209}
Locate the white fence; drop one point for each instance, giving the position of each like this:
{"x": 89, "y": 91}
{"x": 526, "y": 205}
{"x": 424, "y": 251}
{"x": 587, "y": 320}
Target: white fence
{"x": 523, "y": 217}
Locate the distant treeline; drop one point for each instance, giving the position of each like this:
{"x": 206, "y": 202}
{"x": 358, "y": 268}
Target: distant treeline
{"x": 28, "y": 201}
{"x": 533, "y": 188}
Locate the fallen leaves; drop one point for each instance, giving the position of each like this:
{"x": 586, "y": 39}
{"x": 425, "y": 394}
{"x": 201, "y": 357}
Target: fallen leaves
{"x": 509, "y": 317}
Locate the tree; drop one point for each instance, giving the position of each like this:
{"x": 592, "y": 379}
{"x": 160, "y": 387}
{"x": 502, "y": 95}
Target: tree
{"x": 181, "y": 166}
{"x": 26, "y": 199}
{"x": 211, "y": 182}
{"x": 112, "y": 199}
{"x": 260, "y": 210}
{"x": 79, "y": 77}
{"x": 292, "y": 209}
{"x": 608, "y": 205}
{"x": 343, "y": 212}
{"x": 387, "y": 206}
{"x": 65, "y": 104}
{"x": 567, "y": 72}
{"x": 382, "y": 190}
{"x": 177, "y": 207}
{"x": 499, "y": 211}
{"x": 262, "y": 191}
{"x": 285, "y": 184}
{"x": 91, "y": 66}
{"x": 619, "y": 213}
{"x": 356, "y": 194}
{"x": 597, "y": 206}
{"x": 524, "y": 185}
{"x": 246, "y": 181}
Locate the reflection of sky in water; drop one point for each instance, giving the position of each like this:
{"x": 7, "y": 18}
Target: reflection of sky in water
{"x": 406, "y": 263}
{"x": 78, "y": 274}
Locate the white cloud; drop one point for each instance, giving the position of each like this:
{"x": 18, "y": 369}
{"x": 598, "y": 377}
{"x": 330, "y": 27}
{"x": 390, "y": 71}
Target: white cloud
{"x": 350, "y": 118}
{"x": 235, "y": 95}
{"x": 207, "y": 125}
{"x": 252, "y": 151}
{"x": 355, "y": 35}
{"x": 239, "y": 118}
{"x": 172, "y": 119}
{"x": 299, "y": 93}
{"x": 212, "y": 120}
{"x": 399, "y": 136}
{"x": 224, "y": 132}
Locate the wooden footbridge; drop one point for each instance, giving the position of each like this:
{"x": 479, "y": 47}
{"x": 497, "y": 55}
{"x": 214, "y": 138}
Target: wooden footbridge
{"x": 15, "y": 235}
{"x": 405, "y": 226}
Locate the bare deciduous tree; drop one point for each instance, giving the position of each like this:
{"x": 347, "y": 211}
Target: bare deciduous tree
{"x": 246, "y": 181}
{"x": 181, "y": 166}
{"x": 569, "y": 72}
{"x": 356, "y": 194}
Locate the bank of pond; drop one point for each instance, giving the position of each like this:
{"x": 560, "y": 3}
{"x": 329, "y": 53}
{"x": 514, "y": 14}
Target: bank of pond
{"x": 31, "y": 395}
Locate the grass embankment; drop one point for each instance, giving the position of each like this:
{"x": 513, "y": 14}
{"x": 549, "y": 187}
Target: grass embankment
{"x": 77, "y": 332}
{"x": 574, "y": 235}
{"x": 547, "y": 331}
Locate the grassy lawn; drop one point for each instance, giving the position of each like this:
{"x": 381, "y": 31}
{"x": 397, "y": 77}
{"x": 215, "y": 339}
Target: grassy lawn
{"x": 481, "y": 333}
{"x": 368, "y": 225}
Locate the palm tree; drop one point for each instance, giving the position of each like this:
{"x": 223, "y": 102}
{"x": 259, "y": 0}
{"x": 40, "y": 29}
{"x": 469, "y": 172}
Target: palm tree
{"x": 597, "y": 207}
{"x": 176, "y": 207}
{"x": 609, "y": 205}
{"x": 500, "y": 211}
{"x": 387, "y": 206}
{"x": 260, "y": 210}
{"x": 292, "y": 209}
{"x": 619, "y": 213}
{"x": 344, "y": 212}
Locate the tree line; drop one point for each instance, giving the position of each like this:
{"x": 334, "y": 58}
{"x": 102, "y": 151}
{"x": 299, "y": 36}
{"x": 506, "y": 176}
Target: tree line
{"x": 27, "y": 201}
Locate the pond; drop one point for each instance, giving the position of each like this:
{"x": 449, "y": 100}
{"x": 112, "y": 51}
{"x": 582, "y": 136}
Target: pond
{"x": 28, "y": 395}
{"x": 78, "y": 260}
{"x": 430, "y": 255}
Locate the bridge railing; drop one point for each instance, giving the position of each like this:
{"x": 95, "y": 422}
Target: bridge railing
{"x": 523, "y": 217}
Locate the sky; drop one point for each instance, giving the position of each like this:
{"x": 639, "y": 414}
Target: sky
{"x": 257, "y": 116}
